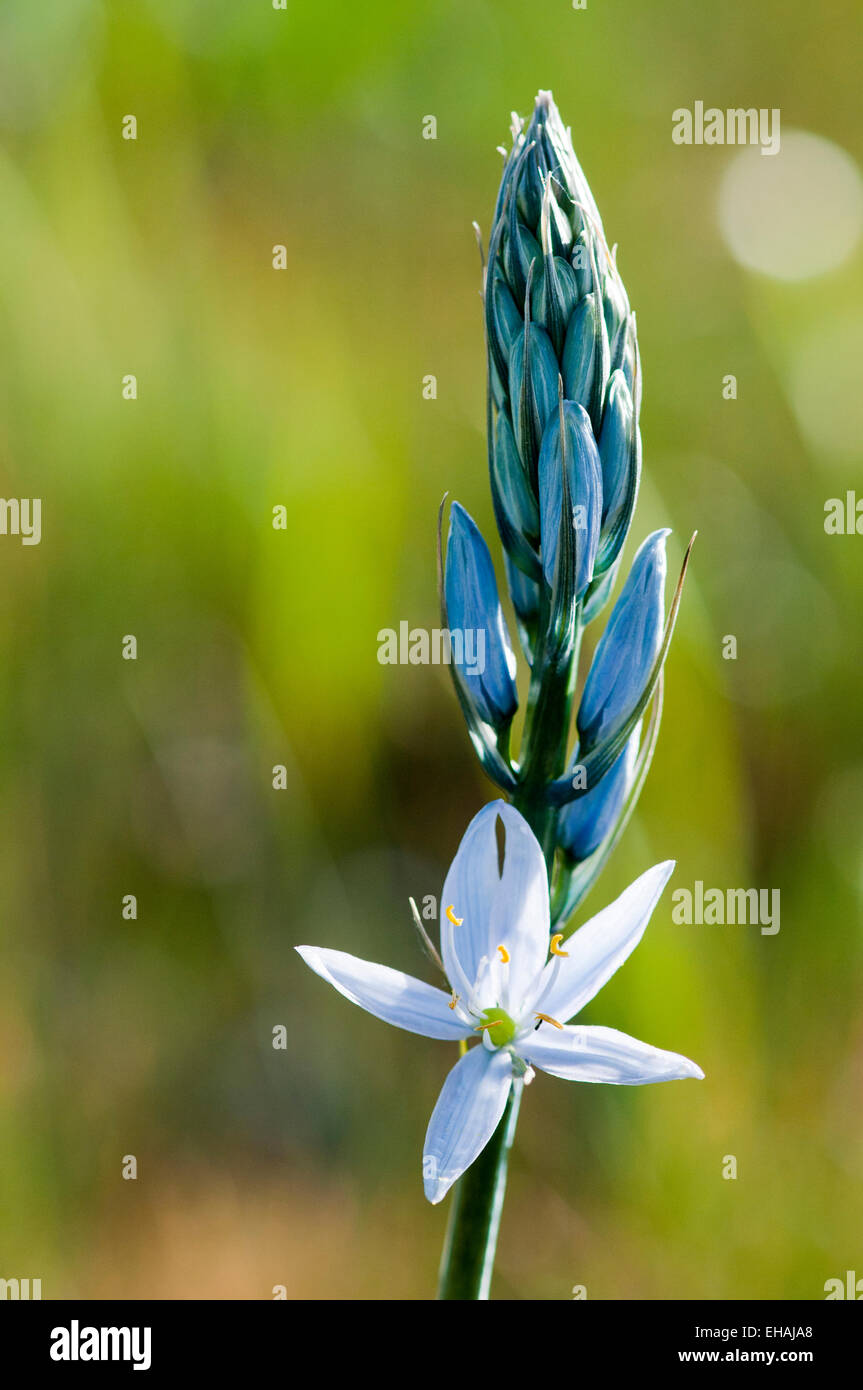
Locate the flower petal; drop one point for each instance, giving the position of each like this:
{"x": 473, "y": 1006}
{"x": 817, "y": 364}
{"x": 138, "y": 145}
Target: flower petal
{"x": 520, "y": 920}
{"x": 467, "y": 1113}
{"x": 601, "y": 946}
{"x": 388, "y": 994}
{"x": 603, "y": 1054}
{"x": 509, "y": 910}
{"x": 469, "y": 892}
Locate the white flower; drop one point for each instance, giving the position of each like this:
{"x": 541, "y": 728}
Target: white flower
{"x": 512, "y": 986}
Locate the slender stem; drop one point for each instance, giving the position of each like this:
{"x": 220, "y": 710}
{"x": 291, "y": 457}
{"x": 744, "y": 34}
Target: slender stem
{"x": 471, "y": 1239}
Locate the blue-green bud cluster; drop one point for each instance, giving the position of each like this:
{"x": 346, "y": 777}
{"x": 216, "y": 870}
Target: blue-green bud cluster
{"x": 565, "y": 464}
{"x": 562, "y": 351}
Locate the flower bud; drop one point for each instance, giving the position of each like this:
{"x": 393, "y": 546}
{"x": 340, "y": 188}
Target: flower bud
{"x": 579, "y": 354}
{"x": 533, "y": 393}
{"x": 585, "y": 823}
{"x": 506, "y": 319}
{"x": 515, "y": 504}
{"x": 481, "y": 648}
{"x": 620, "y": 457}
{"x": 628, "y": 648}
{"x": 585, "y": 486}
{"x": 554, "y": 297}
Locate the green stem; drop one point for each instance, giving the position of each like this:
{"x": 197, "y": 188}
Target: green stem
{"x": 471, "y": 1240}
{"x": 546, "y": 738}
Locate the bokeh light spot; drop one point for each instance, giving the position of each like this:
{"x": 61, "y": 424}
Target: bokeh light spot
{"x": 824, "y": 389}
{"x": 795, "y": 214}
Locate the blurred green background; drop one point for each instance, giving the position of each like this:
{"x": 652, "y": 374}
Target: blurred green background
{"x": 258, "y": 647}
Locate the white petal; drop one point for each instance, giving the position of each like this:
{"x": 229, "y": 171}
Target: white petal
{"x": 467, "y": 1114}
{"x": 601, "y": 946}
{"x": 388, "y": 994}
{"x": 469, "y": 892}
{"x": 509, "y": 910}
{"x": 603, "y": 1054}
{"x": 521, "y": 920}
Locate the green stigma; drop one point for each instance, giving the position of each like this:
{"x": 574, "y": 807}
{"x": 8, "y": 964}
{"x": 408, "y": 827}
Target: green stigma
{"x": 499, "y": 1027}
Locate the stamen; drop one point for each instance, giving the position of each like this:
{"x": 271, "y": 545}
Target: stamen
{"x": 504, "y": 954}
{"x": 424, "y": 937}
{"x": 494, "y": 1023}
{"x": 546, "y": 1018}
{"x": 554, "y": 945}
{"x": 450, "y": 912}
{"x": 454, "y": 1000}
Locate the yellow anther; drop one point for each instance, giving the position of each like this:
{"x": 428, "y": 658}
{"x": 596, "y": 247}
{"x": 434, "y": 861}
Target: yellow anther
{"x": 454, "y": 1000}
{"x": 546, "y": 1018}
{"x": 504, "y": 954}
{"x": 554, "y": 945}
{"x": 456, "y": 921}
{"x": 494, "y": 1023}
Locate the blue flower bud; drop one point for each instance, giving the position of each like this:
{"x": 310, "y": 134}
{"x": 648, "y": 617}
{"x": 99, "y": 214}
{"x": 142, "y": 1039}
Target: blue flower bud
{"x": 555, "y": 227}
{"x": 584, "y": 824}
{"x": 581, "y": 263}
{"x": 481, "y": 649}
{"x": 554, "y": 297}
{"x": 560, "y": 231}
{"x": 543, "y": 170}
{"x": 627, "y": 649}
{"x": 506, "y": 320}
{"x": 536, "y": 397}
{"x": 511, "y": 491}
{"x": 585, "y": 486}
{"x": 579, "y": 353}
{"x": 615, "y": 304}
{"x": 520, "y": 248}
{"x": 623, "y": 350}
{"x": 554, "y": 142}
{"x": 620, "y": 456}
{"x": 531, "y": 177}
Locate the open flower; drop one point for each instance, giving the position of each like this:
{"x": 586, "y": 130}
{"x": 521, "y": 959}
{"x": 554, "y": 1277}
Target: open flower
{"x": 512, "y": 986}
